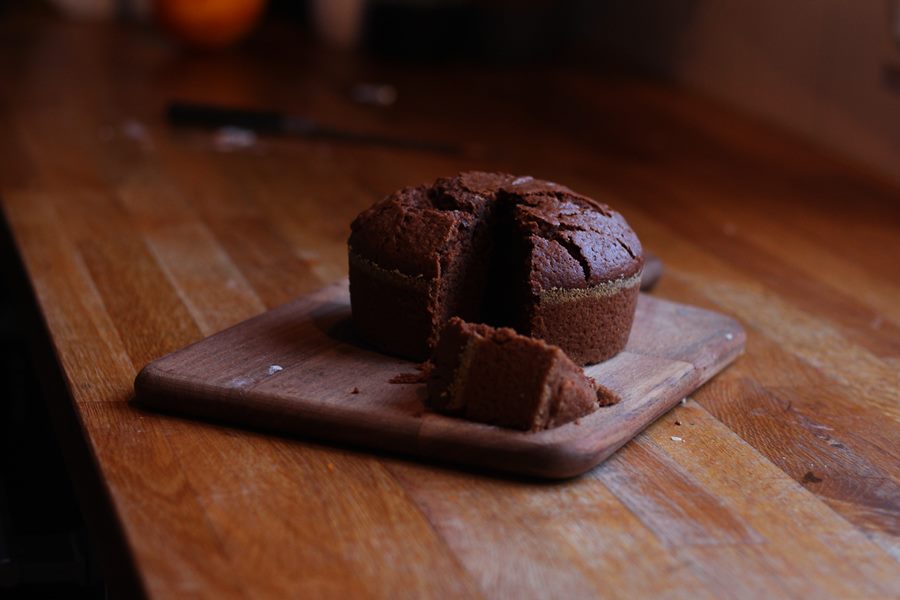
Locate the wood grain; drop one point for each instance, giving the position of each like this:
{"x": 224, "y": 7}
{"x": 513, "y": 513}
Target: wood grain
{"x": 300, "y": 369}
{"x": 138, "y": 240}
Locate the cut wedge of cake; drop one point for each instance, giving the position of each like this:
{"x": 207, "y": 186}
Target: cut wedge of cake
{"x": 496, "y": 376}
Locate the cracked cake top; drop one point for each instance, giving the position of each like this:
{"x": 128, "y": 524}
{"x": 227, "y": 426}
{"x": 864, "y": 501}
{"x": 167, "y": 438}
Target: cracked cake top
{"x": 573, "y": 241}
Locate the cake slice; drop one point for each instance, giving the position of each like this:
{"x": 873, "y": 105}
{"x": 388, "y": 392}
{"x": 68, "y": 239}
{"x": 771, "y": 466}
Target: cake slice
{"x": 496, "y": 376}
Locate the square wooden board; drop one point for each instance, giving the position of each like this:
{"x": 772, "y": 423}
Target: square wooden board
{"x": 298, "y": 369}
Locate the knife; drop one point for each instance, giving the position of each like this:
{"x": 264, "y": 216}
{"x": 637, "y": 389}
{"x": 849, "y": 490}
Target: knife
{"x": 208, "y": 116}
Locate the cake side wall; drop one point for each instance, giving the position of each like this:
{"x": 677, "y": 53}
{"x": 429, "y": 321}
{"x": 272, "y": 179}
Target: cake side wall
{"x": 589, "y": 328}
{"x": 390, "y": 314}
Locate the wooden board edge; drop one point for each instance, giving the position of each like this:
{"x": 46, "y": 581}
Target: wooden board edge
{"x": 156, "y": 389}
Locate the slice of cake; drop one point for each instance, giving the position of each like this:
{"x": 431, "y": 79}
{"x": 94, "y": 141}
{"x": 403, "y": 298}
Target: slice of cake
{"x": 499, "y": 377}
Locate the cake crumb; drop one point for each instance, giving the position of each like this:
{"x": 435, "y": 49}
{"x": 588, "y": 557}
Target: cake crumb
{"x": 810, "y": 477}
{"x": 675, "y": 438}
{"x": 404, "y": 378}
{"x": 330, "y": 467}
{"x": 274, "y": 369}
{"x": 354, "y": 390}
{"x": 605, "y": 396}
{"x": 678, "y": 423}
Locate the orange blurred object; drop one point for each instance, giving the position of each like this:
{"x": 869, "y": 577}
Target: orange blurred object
{"x": 210, "y": 23}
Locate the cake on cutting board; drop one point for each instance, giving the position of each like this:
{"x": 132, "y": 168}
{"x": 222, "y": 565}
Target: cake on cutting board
{"x": 557, "y": 271}
{"x": 497, "y": 397}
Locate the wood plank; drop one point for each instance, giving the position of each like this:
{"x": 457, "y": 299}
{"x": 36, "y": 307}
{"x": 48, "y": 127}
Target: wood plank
{"x": 179, "y": 545}
{"x": 574, "y": 538}
{"x": 95, "y": 374}
{"x": 95, "y": 366}
{"x": 814, "y": 340}
{"x": 189, "y": 255}
{"x": 784, "y": 239}
{"x": 361, "y": 514}
{"x": 273, "y": 268}
{"x": 824, "y": 560}
{"x": 838, "y": 302}
{"x": 829, "y": 416}
{"x": 676, "y": 509}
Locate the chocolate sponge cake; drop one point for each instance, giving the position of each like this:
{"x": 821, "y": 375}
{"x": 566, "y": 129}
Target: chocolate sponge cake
{"x": 576, "y": 270}
{"x": 494, "y": 248}
{"x": 499, "y": 377}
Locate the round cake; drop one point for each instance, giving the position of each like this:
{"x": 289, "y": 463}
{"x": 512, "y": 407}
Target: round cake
{"x": 498, "y": 249}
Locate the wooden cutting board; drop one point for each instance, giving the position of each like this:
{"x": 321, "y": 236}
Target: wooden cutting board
{"x": 298, "y": 369}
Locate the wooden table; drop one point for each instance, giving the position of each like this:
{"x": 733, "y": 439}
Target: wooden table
{"x": 780, "y": 478}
